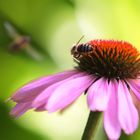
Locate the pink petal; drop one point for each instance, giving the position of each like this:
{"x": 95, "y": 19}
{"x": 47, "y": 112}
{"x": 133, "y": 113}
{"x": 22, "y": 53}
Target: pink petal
{"x": 66, "y": 93}
{"x": 127, "y": 113}
{"x": 41, "y": 108}
{"x": 98, "y": 95}
{"x": 32, "y": 89}
{"x": 135, "y": 87}
{"x": 136, "y": 101}
{"x": 43, "y": 97}
{"x": 20, "y": 109}
{"x": 111, "y": 123}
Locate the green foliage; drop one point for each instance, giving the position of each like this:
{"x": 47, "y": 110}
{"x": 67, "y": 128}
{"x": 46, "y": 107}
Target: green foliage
{"x": 10, "y": 130}
{"x": 53, "y": 26}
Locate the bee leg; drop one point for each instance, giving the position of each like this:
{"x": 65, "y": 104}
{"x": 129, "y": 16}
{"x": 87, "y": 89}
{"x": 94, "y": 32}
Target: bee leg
{"x": 77, "y": 55}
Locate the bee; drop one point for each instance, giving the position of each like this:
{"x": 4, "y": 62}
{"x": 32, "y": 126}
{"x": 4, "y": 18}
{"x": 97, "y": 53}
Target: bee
{"x": 81, "y": 49}
{"x": 19, "y": 42}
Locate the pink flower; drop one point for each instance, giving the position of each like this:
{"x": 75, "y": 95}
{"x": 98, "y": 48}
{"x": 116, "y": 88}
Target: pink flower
{"x": 108, "y": 71}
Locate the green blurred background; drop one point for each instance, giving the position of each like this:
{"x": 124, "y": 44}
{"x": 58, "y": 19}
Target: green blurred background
{"x": 53, "y": 27}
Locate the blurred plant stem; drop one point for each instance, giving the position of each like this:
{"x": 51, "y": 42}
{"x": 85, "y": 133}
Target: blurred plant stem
{"x": 91, "y": 126}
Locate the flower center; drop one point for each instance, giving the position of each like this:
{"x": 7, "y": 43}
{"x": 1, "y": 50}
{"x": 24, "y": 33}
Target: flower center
{"x": 111, "y": 59}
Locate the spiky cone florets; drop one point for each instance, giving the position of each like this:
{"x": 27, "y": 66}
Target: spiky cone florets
{"x": 111, "y": 59}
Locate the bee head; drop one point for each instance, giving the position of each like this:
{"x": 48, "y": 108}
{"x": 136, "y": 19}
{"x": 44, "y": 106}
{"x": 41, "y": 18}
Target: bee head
{"x": 74, "y": 51}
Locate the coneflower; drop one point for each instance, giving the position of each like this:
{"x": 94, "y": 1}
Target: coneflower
{"x": 107, "y": 72}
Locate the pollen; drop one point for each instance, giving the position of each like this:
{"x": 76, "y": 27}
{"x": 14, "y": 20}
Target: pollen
{"x": 111, "y": 59}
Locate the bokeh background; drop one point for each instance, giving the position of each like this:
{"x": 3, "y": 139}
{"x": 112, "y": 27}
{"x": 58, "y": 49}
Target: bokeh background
{"x": 47, "y": 30}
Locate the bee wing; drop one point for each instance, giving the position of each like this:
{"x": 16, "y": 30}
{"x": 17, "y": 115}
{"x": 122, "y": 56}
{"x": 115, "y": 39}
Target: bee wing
{"x": 11, "y": 31}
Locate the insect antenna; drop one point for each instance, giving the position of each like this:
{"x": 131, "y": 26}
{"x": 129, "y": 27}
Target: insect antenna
{"x": 79, "y": 40}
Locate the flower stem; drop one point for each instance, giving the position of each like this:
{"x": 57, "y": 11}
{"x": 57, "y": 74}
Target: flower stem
{"x": 91, "y": 126}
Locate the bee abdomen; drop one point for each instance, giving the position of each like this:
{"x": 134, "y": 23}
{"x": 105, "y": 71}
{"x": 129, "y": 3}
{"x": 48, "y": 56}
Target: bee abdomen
{"x": 84, "y": 48}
